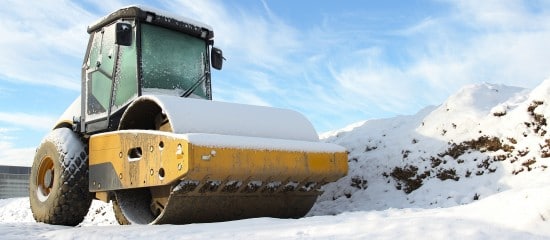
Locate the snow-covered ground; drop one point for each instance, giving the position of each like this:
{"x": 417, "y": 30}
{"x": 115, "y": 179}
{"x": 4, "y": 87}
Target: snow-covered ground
{"x": 475, "y": 167}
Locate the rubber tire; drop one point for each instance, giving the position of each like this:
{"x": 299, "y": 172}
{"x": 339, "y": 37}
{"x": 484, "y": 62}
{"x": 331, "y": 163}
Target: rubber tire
{"x": 68, "y": 200}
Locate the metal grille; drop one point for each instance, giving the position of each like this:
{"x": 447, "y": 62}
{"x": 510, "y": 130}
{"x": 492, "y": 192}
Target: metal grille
{"x": 14, "y": 181}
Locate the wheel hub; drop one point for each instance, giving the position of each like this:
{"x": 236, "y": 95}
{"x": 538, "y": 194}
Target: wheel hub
{"x": 48, "y": 178}
{"x": 45, "y": 176}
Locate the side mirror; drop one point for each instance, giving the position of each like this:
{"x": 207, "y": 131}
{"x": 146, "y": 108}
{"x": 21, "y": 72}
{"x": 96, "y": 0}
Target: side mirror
{"x": 123, "y": 34}
{"x": 216, "y": 57}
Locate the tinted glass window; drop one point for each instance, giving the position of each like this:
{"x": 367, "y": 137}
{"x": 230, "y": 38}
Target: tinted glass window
{"x": 171, "y": 61}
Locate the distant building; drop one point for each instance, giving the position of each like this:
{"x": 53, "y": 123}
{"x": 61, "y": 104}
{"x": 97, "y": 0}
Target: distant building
{"x": 14, "y": 181}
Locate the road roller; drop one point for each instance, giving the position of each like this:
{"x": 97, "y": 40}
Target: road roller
{"x": 145, "y": 135}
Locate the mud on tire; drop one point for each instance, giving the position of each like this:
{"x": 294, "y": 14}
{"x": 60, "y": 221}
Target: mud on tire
{"x": 58, "y": 184}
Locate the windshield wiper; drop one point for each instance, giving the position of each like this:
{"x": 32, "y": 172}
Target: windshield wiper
{"x": 195, "y": 86}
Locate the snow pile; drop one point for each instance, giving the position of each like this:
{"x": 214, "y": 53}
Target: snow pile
{"x": 15, "y": 210}
{"x": 483, "y": 140}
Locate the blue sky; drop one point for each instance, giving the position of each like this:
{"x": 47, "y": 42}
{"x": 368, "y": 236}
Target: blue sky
{"x": 337, "y": 62}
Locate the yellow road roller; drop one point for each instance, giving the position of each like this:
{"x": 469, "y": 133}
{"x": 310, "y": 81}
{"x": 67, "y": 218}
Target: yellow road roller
{"x": 145, "y": 134}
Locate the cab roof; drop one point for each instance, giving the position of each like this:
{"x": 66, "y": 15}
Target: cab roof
{"x": 156, "y": 17}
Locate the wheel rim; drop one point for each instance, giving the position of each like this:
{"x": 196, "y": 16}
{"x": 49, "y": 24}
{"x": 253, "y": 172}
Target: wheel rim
{"x": 45, "y": 177}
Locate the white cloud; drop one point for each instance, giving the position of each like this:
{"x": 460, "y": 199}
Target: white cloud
{"x": 37, "y": 122}
{"x": 511, "y": 50}
{"x": 261, "y": 81}
{"x": 251, "y": 98}
{"x": 420, "y": 27}
{"x": 502, "y": 14}
{"x": 16, "y": 147}
{"x": 105, "y": 7}
{"x": 43, "y": 42}
{"x": 374, "y": 82}
{"x": 13, "y": 156}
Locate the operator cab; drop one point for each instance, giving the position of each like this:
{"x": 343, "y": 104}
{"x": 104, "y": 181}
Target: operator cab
{"x": 137, "y": 51}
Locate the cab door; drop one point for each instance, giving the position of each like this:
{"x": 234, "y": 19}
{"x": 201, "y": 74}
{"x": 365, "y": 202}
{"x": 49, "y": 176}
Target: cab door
{"x": 110, "y": 72}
